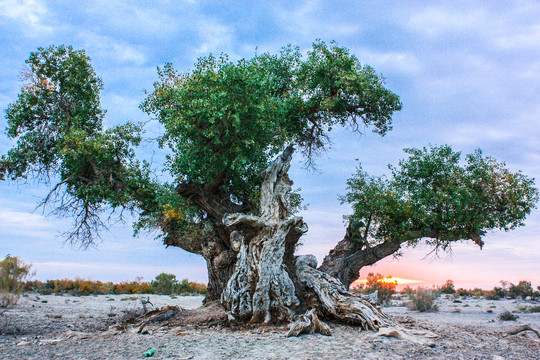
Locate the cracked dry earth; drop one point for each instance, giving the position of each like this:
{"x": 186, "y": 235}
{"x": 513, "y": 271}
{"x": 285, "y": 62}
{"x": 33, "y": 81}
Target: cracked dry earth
{"x": 68, "y": 327}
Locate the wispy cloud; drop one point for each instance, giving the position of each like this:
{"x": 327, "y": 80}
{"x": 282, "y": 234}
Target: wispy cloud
{"x": 11, "y": 220}
{"x": 112, "y": 49}
{"x": 215, "y": 37}
{"x": 436, "y": 21}
{"x": 31, "y": 14}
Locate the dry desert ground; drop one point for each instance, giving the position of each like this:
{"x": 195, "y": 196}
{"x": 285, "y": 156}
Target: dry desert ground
{"x": 85, "y": 327}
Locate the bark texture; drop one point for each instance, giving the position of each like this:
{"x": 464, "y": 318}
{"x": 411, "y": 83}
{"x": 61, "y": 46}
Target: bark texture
{"x": 352, "y": 254}
{"x": 261, "y": 288}
{"x": 270, "y": 284}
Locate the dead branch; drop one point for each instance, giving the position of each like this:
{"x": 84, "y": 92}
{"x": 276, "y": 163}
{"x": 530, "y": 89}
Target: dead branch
{"x": 521, "y": 329}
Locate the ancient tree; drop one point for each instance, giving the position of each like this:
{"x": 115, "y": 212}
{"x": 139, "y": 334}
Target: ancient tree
{"x": 231, "y": 129}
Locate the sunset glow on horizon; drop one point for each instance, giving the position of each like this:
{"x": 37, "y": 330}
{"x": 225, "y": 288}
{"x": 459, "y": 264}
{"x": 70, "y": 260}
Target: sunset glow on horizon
{"x": 388, "y": 280}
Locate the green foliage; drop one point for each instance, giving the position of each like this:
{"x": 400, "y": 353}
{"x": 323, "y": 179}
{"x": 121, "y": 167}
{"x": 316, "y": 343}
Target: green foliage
{"x": 422, "y": 300}
{"x": 57, "y": 122}
{"x": 164, "y": 284}
{"x": 509, "y": 290}
{"x": 61, "y": 93}
{"x": 507, "y": 316}
{"x": 495, "y": 294}
{"x": 522, "y": 290}
{"x": 224, "y": 122}
{"x": 13, "y": 273}
{"x": 168, "y": 284}
{"x": 227, "y": 120}
{"x": 448, "y": 288}
{"x": 432, "y": 196}
{"x": 531, "y": 309}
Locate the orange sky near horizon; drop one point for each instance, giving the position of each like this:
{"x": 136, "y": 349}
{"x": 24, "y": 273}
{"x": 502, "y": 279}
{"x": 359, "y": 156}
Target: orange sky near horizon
{"x": 458, "y": 267}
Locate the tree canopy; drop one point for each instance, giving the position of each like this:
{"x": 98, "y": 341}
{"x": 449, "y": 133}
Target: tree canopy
{"x": 231, "y": 128}
{"x": 225, "y": 121}
{"x": 57, "y": 122}
{"x": 432, "y": 195}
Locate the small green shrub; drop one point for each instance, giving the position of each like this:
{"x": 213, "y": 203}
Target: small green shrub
{"x": 521, "y": 290}
{"x": 507, "y": 316}
{"x": 529, "y": 309}
{"x": 422, "y": 300}
{"x": 13, "y": 273}
{"x": 448, "y": 288}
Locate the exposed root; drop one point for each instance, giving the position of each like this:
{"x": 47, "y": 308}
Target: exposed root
{"x": 521, "y": 329}
{"x": 335, "y": 301}
{"x": 158, "y": 315}
{"x": 308, "y": 323}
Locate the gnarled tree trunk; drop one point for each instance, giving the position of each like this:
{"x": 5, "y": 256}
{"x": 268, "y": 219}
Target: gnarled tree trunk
{"x": 351, "y": 254}
{"x": 269, "y": 284}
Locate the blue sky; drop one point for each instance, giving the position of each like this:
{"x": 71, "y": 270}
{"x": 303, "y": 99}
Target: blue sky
{"x": 468, "y": 73}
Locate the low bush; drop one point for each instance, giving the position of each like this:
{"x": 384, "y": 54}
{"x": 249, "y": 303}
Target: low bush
{"x": 89, "y": 287}
{"x": 13, "y": 273}
{"x": 521, "y": 290}
{"x": 377, "y": 282}
{"x": 507, "y": 316}
{"x": 422, "y": 300}
{"x": 448, "y": 288}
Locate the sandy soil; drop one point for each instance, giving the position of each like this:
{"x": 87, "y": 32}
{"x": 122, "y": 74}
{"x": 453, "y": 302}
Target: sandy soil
{"x": 68, "y": 327}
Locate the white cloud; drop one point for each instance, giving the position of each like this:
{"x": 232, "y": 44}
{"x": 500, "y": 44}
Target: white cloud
{"x": 526, "y": 38}
{"x": 390, "y": 61}
{"x": 112, "y": 49}
{"x": 144, "y": 18}
{"x": 438, "y": 21}
{"x": 31, "y": 13}
{"x": 215, "y": 37}
{"x": 17, "y": 219}
{"x": 310, "y": 21}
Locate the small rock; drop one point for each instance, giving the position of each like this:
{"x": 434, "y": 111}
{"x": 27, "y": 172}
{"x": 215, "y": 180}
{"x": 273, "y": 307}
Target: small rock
{"x": 497, "y": 357}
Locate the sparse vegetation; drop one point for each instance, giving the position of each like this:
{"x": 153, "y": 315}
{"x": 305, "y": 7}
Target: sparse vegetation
{"x": 13, "y": 273}
{"x": 422, "y": 300}
{"x": 54, "y": 316}
{"x": 529, "y": 309}
{"x": 89, "y": 287}
{"x": 448, "y": 287}
{"x": 507, "y": 316}
{"x": 385, "y": 289}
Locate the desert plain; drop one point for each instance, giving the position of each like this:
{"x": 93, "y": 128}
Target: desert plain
{"x": 86, "y": 327}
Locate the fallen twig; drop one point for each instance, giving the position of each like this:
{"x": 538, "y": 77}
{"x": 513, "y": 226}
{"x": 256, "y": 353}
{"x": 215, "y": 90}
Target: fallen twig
{"x": 521, "y": 329}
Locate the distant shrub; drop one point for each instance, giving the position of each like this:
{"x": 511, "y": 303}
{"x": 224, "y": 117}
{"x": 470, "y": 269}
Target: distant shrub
{"x": 164, "y": 284}
{"x": 463, "y": 292}
{"x": 507, "y": 316}
{"x": 422, "y": 300}
{"x": 530, "y": 309}
{"x": 521, "y": 290}
{"x": 478, "y": 292}
{"x": 13, "y": 273}
{"x": 495, "y": 294}
{"x": 407, "y": 290}
{"x": 448, "y": 287}
{"x": 379, "y": 283}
